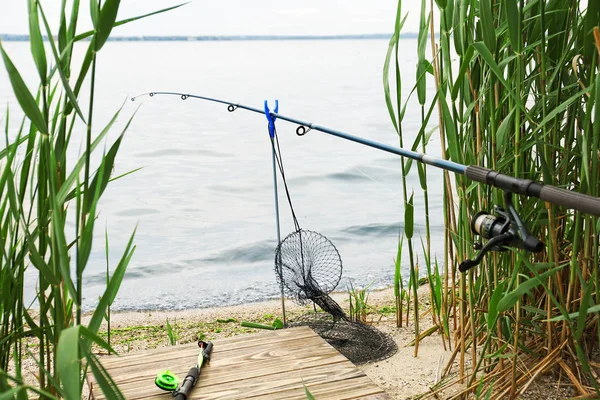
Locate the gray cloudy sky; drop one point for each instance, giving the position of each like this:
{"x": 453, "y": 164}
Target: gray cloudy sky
{"x": 238, "y": 17}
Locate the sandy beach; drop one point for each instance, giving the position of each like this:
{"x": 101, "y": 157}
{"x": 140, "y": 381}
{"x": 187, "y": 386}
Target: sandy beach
{"x": 403, "y": 375}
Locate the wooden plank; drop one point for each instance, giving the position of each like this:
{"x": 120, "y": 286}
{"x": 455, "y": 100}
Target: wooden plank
{"x": 354, "y": 388}
{"x": 267, "y": 385}
{"x": 190, "y": 350}
{"x": 273, "y": 364}
{"x": 240, "y": 367}
{"x": 221, "y": 357}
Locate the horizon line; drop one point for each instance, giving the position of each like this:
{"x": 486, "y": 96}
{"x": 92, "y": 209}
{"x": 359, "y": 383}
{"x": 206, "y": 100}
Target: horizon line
{"x": 24, "y": 37}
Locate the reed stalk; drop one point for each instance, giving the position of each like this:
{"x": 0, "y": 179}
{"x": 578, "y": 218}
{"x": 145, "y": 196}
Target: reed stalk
{"x": 41, "y": 190}
{"x": 522, "y": 97}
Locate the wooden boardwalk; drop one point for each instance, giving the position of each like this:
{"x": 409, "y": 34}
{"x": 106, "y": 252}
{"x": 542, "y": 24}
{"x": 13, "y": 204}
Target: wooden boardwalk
{"x": 271, "y": 365}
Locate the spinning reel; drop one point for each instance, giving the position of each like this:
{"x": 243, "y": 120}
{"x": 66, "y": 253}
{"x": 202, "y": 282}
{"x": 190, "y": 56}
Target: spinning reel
{"x": 502, "y": 229}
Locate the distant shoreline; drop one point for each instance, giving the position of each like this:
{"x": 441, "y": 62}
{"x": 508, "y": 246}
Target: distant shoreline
{"x": 214, "y": 38}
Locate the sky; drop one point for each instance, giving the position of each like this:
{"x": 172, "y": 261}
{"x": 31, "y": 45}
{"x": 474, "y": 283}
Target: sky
{"x": 237, "y": 17}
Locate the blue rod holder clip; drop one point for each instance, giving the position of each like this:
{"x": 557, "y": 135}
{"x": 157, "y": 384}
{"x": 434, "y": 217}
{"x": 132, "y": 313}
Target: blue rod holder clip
{"x": 271, "y": 118}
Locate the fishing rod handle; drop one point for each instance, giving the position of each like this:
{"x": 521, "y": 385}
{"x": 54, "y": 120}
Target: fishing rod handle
{"x": 188, "y": 384}
{"x": 207, "y": 351}
{"x": 551, "y": 194}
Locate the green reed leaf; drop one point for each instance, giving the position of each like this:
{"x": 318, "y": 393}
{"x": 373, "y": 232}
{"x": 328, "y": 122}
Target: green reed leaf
{"x": 66, "y": 192}
{"x": 67, "y": 362}
{"x": 511, "y": 298}
{"x": 504, "y": 128}
{"x": 493, "y": 306}
{"x": 422, "y": 176}
{"x": 485, "y": 54}
{"x": 36, "y": 42}
{"x": 102, "y": 176}
{"x": 106, "y": 21}
{"x": 409, "y": 218}
{"x": 590, "y": 310}
{"x": 103, "y": 378}
{"x": 564, "y": 105}
{"x": 397, "y": 270}
{"x": 450, "y": 129}
{"x": 58, "y": 237}
{"x": 592, "y": 16}
{"x": 95, "y": 12}
{"x": 94, "y": 338}
{"x": 309, "y": 395}
{"x": 87, "y": 34}
{"x": 487, "y": 24}
{"x": 11, "y": 393}
{"x": 87, "y": 235}
{"x": 61, "y": 70}
{"x": 422, "y": 63}
{"x": 171, "y": 334}
{"x": 24, "y": 97}
{"x": 83, "y": 73}
{"x": 583, "y": 309}
{"x": 113, "y": 287}
{"x": 512, "y": 22}
{"x": 386, "y": 67}
{"x": 464, "y": 65}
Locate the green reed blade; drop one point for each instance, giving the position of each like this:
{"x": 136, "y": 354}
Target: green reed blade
{"x": 487, "y": 25}
{"x": 11, "y": 393}
{"x": 393, "y": 43}
{"x": 464, "y": 65}
{"x": 87, "y": 34}
{"x": 23, "y": 95}
{"x": 452, "y": 141}
{"x": 102, "y": 176}
{"x": 484, "y": 52}
{"x": 67, "y": 360}
{"x": 95, "y": 13}
{"x": 105, "y": 22}
{"x": 66, "y": 191}
{"x": 513, "y": 24}
{"x": 61, "y": 70}
{"x": 397, "y": 269}
{"x": 36, "y": 42}
{"x": 590, "y": 310}
{"x": 504, "y": 129}
{"x": 105, "y": 381}
{"x": 113, "y": 287}
{"x": 511, "y": 298}
{"x": 409, "y": 218}
{"x": 87, "y": 235}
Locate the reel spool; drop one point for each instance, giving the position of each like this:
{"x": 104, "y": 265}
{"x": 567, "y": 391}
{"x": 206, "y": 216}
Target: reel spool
{"x": 167, "y": 380}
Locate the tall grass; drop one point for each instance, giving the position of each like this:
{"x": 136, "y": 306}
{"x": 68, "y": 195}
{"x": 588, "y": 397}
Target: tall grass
{"x": 518, "y": 91}
{"x": 41, "y": 190}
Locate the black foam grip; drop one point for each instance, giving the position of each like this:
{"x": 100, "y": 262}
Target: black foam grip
{"x": 477, "y": 173}
{"x": 551, "y": 194}
{"x": 188, "y": 384}
{"x": 569, "y": 199}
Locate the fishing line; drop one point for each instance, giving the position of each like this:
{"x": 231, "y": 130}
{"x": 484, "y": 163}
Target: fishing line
{"x": 279, "y": 158}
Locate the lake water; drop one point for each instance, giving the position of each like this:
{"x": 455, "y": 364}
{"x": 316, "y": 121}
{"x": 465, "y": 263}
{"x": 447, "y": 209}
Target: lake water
{"x": 203, "y": 202}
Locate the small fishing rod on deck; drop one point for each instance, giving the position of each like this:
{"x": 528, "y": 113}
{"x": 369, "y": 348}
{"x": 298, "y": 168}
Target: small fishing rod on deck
{"x": 168, "y": 381}
{"x": 504, "y": 228}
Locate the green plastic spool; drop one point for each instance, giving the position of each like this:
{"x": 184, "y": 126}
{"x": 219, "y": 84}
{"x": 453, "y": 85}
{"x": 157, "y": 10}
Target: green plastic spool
{"x": 166, "y": 380}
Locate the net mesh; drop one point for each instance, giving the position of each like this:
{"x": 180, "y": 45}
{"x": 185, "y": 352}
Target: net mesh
{"x": 309, "y": 267}
{"x": 358, "y": 342}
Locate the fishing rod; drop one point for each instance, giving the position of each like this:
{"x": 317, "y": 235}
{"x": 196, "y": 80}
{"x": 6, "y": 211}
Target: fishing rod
{"x": 168, "y": 381}
{"x": 504, "y": 228}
